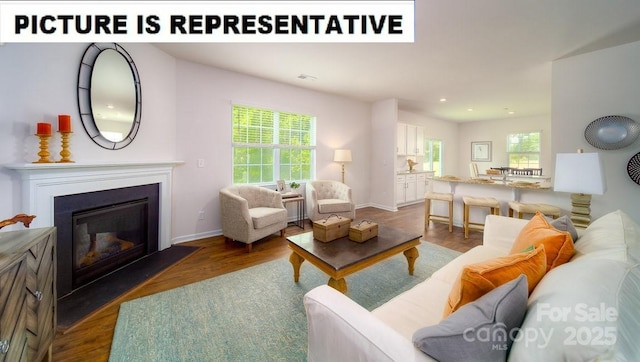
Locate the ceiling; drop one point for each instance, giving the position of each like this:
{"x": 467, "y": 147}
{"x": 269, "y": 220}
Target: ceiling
{"x": 491, "y": 56}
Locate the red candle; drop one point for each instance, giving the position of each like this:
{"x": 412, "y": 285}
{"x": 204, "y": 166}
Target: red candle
{"x": 44, "y": 129}
{"x": 64, "y": 123}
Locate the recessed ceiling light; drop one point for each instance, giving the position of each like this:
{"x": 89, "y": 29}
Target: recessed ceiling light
{"x": 110, "y": 106}
{"x": 512, "y": 112}
{"x": 443, "y": 100}
{"x": 470, "y": 109}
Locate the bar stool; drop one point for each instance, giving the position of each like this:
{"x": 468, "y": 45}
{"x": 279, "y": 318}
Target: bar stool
{"x": 428, "y": 216}
{"x": 524, "y": 208}
{"x": 490, "y": 202}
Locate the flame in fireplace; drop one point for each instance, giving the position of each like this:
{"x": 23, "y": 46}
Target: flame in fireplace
{"x": 105, "y": 245}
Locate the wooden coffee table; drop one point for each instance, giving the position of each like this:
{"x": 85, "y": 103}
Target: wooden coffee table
{"x": 343, "y": 257}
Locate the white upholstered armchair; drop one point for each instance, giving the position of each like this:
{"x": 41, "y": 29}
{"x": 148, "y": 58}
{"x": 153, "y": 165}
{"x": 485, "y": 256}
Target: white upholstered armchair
{"x": 326, "y": 197}
{"x": 250, "y": 213}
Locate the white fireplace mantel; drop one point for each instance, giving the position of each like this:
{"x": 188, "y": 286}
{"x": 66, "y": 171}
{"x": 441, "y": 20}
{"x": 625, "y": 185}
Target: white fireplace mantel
{"x": 42, "y": 182}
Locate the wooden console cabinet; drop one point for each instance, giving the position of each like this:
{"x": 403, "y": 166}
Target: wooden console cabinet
{"x": 27, "y": 294}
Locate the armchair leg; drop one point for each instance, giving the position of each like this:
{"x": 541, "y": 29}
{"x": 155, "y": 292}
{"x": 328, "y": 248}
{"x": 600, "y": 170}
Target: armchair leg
{"x": 248, "y": 247}
{"x": 282, "y": 233}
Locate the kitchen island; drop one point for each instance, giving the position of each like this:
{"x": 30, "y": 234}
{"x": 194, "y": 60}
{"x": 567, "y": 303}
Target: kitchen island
{"x": 503, "y": 190}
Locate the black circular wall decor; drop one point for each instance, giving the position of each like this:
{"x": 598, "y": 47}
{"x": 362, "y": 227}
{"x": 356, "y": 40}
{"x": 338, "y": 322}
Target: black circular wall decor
{"x": 612, "y": 132}
{"x": 633, "y": 168}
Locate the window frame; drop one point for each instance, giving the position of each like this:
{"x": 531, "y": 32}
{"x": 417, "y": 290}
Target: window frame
{"x": 274, "y": 160}
{"x": 531, "y": 163}
{"x": 428, "y": 162}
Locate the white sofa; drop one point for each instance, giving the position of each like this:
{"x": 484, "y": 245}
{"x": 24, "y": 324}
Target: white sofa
{"x": 601, "y": 284}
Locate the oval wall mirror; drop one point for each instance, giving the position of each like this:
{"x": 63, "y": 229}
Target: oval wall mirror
{"x": 109, "y": 95}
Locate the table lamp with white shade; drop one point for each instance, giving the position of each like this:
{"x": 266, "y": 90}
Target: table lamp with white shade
{"x": 343, "y": 156}
{"x": 582, "y": 175}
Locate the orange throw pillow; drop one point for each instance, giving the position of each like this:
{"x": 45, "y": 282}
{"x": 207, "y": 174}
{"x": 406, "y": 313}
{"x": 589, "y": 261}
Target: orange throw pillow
{"x": 557, "y": 244}
{"x": 478, "y": 279}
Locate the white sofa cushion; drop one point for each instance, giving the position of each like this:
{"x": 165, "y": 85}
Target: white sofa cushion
{"x": 554, "y": 329}
{"x": 500, "y": 232}
{"x": 629, "y": 318}
{"x": 613, "y": 236}
{"x": 418, "y": 307}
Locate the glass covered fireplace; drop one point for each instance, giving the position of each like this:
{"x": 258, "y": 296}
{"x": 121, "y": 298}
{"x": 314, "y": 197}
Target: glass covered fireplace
{"x": 106, "y": 238}
{"x": 100, "y": 232}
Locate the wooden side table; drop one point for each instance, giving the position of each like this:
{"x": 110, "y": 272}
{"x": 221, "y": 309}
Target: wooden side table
{"x": 300, "y": 203}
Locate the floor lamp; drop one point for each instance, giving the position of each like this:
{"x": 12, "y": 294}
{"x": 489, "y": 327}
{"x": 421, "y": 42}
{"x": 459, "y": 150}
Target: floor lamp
{"x": 342, "y": 156}
{"x": 582, "y": 175}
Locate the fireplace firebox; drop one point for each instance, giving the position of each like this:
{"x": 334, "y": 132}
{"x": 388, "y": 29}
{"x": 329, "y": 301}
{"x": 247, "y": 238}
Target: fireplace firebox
{"x": 107, "y": 238}
{"x": 100, "y": 232}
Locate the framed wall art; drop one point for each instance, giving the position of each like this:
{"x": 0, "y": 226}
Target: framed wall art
{"x": 481, "y": 151}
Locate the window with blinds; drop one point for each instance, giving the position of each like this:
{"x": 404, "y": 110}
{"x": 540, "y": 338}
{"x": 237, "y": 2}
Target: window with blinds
{"x": 523, "y": 150}
{"x": 269, "y": 145}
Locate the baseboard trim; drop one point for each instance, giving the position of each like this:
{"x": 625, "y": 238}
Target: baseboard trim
{"x": 198, "y": 236}
{"x": 383, "y": 207}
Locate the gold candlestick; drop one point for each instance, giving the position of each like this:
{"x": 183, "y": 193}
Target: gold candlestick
{"x": 65, "y": 153}
{"x": 44, "y": 148}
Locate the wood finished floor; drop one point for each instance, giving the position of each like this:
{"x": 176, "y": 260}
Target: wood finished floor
{"x": 90, "y": 340}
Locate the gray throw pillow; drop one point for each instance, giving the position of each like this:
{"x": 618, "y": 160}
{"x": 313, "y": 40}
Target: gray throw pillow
{"x": 482, "y": 330}
{"x": 563, "y": 223}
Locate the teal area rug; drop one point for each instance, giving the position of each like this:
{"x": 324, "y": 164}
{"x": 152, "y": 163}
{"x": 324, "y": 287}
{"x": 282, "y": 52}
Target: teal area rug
{"x": 255, "y": 314}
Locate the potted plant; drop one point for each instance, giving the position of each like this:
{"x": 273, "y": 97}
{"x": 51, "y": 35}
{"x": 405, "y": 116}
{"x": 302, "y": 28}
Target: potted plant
{"x": 294, "y": 186}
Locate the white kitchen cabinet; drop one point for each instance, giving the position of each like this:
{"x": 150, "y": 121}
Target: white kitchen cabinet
{"x": 402, "y": 139}
{"x": 411, "y": 187}
{"x": 419, "y": 140}
{"x": 410, "y": 140}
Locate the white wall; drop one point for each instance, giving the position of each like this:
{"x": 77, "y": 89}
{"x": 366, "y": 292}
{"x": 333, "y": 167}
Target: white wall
{"x": 204, "y": 98}
{"x": 39, "y": 81}
{"x": 589, "y": 86}
{"x": 496, "y": 132}
{"x": 383, "y": 149}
